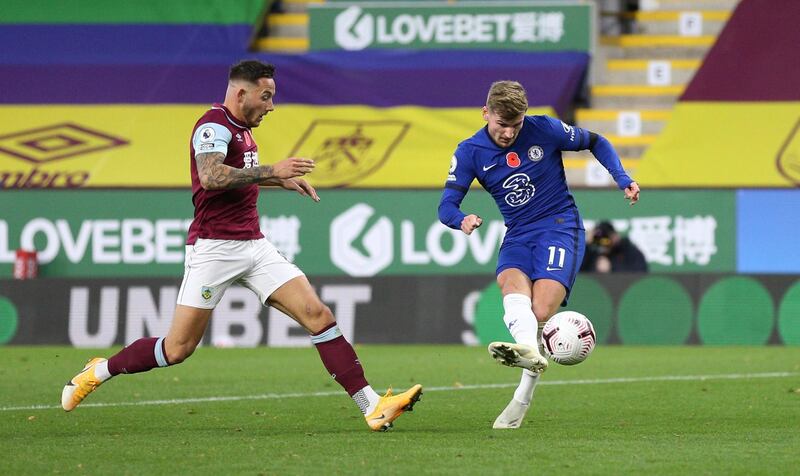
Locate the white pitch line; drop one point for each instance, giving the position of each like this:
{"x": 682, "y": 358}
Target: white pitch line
{"x": 278, "y": 396}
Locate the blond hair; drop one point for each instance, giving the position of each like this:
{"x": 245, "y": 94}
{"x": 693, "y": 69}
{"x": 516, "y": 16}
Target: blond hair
{"x": 507, "y": 99}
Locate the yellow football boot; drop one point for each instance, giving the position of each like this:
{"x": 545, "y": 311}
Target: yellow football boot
{"x": 392, "y": 406}
{"x": 81, "y": 385}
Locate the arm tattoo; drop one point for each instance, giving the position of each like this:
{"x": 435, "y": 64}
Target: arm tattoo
{"x": 215, "y": 175}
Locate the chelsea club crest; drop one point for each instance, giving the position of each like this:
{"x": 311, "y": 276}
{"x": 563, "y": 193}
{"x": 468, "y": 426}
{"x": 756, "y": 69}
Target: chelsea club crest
{"x": 535, "y": 153}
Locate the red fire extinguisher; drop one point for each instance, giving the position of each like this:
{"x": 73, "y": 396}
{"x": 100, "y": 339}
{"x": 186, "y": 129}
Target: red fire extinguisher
{"x": 26, "y": 266}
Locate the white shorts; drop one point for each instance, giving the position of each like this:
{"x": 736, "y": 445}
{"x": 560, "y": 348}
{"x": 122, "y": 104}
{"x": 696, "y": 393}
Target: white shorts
{"x": 213, "y": 265}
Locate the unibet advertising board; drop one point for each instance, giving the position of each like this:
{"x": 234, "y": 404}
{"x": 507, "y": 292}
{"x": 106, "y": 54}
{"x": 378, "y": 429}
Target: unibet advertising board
{"x": 625, "y": 308}
{"x": 530, "y": 26}
{"x": 359, "y": 233}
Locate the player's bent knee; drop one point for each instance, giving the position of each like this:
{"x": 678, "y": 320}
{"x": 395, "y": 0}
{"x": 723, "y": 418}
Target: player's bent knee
{"x": 319, "y": 317}
{"x": 178, "y": 353}
{"x": 543, "y": 312}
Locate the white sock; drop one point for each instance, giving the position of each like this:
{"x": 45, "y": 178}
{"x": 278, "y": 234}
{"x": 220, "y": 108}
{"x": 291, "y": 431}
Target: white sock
{"x": 520, "y": 320}
{"x": 101, "y": 371}
{"x": 540, "y": 346}
{"x": 524, "y": 392}
{"x": 366, "y": 399}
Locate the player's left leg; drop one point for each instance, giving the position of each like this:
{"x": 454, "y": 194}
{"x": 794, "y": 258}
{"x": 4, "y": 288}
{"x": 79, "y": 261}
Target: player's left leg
{"x": 188, "y": 326}
{"x": 210, "y": 267}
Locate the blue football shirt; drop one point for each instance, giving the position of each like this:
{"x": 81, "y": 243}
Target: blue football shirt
{"x": 526, "y": 179}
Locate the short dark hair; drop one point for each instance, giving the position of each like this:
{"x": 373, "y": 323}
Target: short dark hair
{"x": 251, "y": 70}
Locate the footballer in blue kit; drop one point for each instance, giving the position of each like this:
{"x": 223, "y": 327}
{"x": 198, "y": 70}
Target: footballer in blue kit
{"x": 517, "y": 159}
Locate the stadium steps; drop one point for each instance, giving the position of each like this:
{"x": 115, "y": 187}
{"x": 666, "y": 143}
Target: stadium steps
{"x": 642, "y": 74}
{"x": 623, "y": 122}
{"x": 298, "y": 6}
{"x": 630, "y": 146}
{"x": 668, "y": 23}
{"x": 629, "y": 140}
{"x": 634, "y": 96}
{"x": 688, "y": 5}
{"x": 582, "y": 169}
{"x": 634, "y": 71}
{"x": 286, "y": 31}
{"x": 282, "y": 44}
{"x": 645, "y": 47}
{"x": 288, "y": 25}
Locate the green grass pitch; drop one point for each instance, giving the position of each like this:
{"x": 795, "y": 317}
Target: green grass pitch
{"x": 626, "y": 410}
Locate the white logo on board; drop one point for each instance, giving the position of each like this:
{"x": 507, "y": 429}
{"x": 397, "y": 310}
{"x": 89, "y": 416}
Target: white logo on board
{"x": 377, "y": 241}
{"x": 351, "y": 32}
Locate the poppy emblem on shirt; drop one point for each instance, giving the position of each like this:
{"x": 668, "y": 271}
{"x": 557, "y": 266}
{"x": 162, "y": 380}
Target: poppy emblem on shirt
{"x": 535, "y": 153}
{"x": 512, "y": 159}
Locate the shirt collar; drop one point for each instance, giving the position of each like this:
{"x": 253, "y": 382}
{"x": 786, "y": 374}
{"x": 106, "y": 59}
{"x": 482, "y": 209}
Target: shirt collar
{"x": 228, "y": 115}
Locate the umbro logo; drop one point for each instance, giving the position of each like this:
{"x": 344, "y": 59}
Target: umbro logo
{"x": 485, "y": 168}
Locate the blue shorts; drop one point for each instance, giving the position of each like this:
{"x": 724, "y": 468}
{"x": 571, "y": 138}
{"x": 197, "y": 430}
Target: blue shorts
{"x": 545, "y": 254}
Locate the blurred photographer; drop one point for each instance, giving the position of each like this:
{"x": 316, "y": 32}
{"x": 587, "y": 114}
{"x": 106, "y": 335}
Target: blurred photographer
{"x": 608, "y": 252}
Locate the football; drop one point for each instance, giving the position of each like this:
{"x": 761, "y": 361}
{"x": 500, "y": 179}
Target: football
{"x": 568, "y": 338}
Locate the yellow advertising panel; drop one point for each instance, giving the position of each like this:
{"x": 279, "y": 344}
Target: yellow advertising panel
{"x": 148, "y": 146}
{"x": 726, "y": 145}
{"x": 74, "y": 146}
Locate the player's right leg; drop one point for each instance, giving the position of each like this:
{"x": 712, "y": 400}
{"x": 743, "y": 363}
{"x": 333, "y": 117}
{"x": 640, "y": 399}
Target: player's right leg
{"x": 210, "y": 267}
{"x": 549, "y": 295}
{"x": 188, "y": 326}
{"x": 548, "y": 291}
{"x": 521, "y": 322}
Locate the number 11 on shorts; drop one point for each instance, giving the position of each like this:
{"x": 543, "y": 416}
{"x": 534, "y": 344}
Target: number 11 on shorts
{"x": 552, "y": 258}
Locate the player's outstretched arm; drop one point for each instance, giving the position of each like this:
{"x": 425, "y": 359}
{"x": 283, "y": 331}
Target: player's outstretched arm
{"x": 632, "y": 192}
{"x": 215, "y": 175}
{"x": 470, "y": 223}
